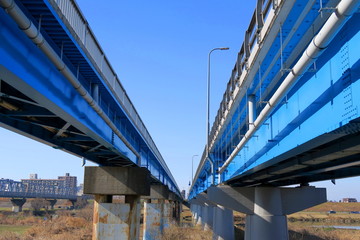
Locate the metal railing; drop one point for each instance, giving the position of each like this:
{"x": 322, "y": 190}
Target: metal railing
{"x": 71, "y": 11}
{"x": 252, "y": 37}
{"x": 242, "y": 64}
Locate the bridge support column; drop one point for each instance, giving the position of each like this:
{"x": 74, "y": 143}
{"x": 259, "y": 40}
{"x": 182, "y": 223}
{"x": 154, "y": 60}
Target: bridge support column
{"x": 173, "y": 210}
{"x": 209, "y": 221}
{"x": 73, "y": 201}
{"x": 116, "y": 220}
{"x": 196, "y": 209}
{"x": 18, "y": 203}
{"x": 172, "y": 203}
{"x": 267, "y": 207}
{"x": 206, "y": 213}
{"x": 217, "y": 218}
{"x": 268, "y": 220}
{"x": 223, "y": 224}
{"x": 166, "y": 217}
{"x": 193, "y": 213}
{"x": 52, "y": 203}
{"x": 156, "y": 215}
{"x": 175, "y": 206}
{"x": 178, "y": 211}
{"x": 199, "y": 216}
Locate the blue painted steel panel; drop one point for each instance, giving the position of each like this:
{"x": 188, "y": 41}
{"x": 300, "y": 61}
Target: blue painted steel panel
{"x": 323, "y": 99}
{"x": 315, "y": 101}
{"x": 43, "y": 81}
{"x": 22, "y": 57}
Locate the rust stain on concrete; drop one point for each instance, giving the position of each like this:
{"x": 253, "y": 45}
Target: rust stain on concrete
{"x": 96, "y": 212}
{"x": 126, "y": 233}
{"x": 104, "y": 219}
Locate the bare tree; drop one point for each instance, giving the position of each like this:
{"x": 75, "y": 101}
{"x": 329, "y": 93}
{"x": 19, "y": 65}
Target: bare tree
{"x": 81, "y": 203}
{"x": 38, "y": 203}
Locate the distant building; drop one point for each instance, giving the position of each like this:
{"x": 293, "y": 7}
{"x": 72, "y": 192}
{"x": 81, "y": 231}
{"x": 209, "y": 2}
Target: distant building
{"x": 63, "y": 185}
{"x": 183, "y": 194}
{"x": 33, "y": 176}
{"x": 69, "y": 181}
{"x": 347, "y": 200}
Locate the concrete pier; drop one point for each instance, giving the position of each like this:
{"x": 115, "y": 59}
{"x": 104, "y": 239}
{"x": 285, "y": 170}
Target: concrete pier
{"x": 207, "y": 212}
{"x": 178, "y": 211}
{"x": 198, "y": 217}
{"x": 209, "y": 220}
{"x": 223, "y": 224}
{"x": 133, "y": 201}
{"x": 52, "y": 203}
{"x": 166, "y": 216}
{"x": 175, "y": 206}
{"x": 266, "y": 207}
{"x": 196, "y": 209}
{"x": 157, "y": 212}
{"x": 215, "y": 217}
{"x": 73, "y": 201}
{"x": 17, "y": 203}
{"x": 116, "y": 220}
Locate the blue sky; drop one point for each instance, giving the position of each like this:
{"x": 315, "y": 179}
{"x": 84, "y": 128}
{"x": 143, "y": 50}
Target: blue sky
{"x": 159, "y": 50}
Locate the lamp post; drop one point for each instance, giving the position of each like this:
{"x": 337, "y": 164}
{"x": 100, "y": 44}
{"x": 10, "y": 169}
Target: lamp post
{"x": 192, "y": 168}
{"x": 208, "y": 112}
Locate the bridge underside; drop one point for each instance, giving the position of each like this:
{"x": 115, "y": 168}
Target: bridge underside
{"x": 38, "y": 102}
{"x": 59, "y": 89}
{"x": 23, "y": 115}
{"x": 330, "y": 156}
{"x": 277, "y": 126}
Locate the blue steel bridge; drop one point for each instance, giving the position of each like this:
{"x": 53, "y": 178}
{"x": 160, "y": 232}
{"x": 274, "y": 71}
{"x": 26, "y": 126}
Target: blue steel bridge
{"x": 58, "y": 87}
{"x": 291, "y": 110}
{"x": 290, "y": 114}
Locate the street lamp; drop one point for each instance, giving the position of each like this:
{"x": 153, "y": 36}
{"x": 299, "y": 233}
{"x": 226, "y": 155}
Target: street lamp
{"x": 208, "y": 112}
{"x": 192, "y": 168}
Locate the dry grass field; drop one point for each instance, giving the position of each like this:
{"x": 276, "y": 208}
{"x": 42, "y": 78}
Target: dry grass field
{"x": 77, "y": 225}
{"x": 69, "y": 225}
